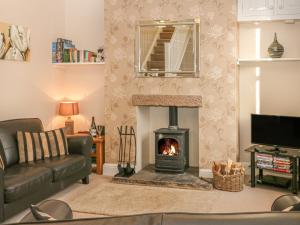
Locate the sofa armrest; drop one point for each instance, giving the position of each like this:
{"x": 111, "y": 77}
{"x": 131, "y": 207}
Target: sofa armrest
{"x": 80, "y": 144}
{"x": 1, "y": 195}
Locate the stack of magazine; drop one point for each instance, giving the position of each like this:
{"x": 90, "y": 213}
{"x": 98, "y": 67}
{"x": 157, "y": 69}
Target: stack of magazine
{"x": 282, "y": 164}
{"x": 275, "y": 163}
{"x": 264, "y": 161}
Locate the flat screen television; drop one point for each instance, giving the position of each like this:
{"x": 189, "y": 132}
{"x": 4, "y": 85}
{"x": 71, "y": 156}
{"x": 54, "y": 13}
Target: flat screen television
{"x": 281, "y": 131}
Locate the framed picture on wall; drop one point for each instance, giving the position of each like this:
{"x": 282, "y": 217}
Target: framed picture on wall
{"x": 14, "y": 42}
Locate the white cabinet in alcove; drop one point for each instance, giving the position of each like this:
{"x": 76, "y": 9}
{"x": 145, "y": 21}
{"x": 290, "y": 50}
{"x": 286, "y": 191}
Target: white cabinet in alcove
{"x": 260, "y": 10}
{"x": 254, "y": 9}
{"x": 289, "y": 8}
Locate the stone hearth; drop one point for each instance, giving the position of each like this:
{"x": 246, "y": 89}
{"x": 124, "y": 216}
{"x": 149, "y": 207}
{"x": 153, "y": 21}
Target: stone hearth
{"x": 148, "y": 176}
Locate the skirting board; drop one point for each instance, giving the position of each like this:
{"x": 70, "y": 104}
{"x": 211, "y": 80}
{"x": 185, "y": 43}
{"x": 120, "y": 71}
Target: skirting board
{"x": 207, "y": 173}
{"x": 110, "y": 169}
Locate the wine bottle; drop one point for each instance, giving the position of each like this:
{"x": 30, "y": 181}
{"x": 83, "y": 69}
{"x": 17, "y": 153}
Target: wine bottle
{"x": 93, "y": 128}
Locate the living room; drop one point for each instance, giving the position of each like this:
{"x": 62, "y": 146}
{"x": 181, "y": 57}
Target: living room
{"x": 201, "y": 136}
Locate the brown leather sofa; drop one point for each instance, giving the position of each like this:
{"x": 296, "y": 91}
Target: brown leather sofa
{"x": 28, "y": 183}
{"x": 265, "y": 218}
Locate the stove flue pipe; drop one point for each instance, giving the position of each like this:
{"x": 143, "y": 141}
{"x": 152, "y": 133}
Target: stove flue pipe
{"x": 173, "y": 117}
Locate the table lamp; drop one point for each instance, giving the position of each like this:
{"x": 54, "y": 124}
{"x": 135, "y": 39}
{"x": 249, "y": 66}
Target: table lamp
{"x": 69, "y": 109}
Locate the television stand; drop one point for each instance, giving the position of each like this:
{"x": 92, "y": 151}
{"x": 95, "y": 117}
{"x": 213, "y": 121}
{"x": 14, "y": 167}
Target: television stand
{"x": 291, "y": 156}
{"x": 275, "y": 149}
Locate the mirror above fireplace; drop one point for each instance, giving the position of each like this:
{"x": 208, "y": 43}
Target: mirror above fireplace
{"x": 166, "y": 48}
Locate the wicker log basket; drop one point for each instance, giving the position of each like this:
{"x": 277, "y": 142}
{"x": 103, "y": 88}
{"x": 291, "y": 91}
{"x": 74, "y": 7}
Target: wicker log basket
{"x": 228, "y": 176}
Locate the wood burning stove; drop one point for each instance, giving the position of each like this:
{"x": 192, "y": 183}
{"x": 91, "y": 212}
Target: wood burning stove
{"x": 172, "y": 146}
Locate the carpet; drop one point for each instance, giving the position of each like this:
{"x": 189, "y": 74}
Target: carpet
{"x": 102, "y": 197}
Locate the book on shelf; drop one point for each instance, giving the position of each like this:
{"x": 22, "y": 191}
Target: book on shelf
{"x": 64, "y": 51}
{"x": 59, "y": 50}
{"x": 66, "y": 57}
{"x": 53, "y": 52}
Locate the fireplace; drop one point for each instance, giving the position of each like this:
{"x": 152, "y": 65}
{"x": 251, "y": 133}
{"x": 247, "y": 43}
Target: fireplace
{"x": 172, "y": 146}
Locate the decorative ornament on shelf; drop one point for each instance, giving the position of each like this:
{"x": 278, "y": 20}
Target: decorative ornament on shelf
{"x": 275, "y": 50}
{"x": 100, "y": 55}
{"x": 69, "y": 109}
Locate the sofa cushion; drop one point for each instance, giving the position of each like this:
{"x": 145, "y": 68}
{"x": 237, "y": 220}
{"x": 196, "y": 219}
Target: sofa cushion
{"x": 8, "y": 132}
{"x": 34, "y": 146}
{"x": 2, "y": 157}
{"x": 23, "y": 179}
{"x": 64, "y": 166}
{"x": 9, "y": 146}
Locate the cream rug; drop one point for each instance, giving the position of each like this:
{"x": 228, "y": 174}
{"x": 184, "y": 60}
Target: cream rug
{"x": 105, "y": 198}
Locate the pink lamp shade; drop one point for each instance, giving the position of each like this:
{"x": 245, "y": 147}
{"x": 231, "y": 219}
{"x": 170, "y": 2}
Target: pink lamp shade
{"x": 68, "y": 108}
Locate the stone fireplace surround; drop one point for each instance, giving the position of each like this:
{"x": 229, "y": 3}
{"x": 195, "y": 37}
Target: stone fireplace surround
{"x": 186, "y": 101}
{"x": 181, "y": 101}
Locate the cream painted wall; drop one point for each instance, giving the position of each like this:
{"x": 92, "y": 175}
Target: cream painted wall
{"x": 32, "y": 89}
{"x": 279, "y": 91}
{"x": 84, "y": 23}
{"x": 85, "y": 83}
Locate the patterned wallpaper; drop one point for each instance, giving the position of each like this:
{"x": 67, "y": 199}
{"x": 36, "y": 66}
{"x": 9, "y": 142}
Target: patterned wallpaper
{"x": 217, "y": 84}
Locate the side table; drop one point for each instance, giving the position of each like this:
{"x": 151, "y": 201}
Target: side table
{"x": 99, "y": 153}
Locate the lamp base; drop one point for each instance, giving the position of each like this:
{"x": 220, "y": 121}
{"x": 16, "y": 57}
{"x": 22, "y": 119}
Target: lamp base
{"x": 69, "y": 124}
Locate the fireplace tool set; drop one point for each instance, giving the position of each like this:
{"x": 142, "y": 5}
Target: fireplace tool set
{"x": 127, "y": 151}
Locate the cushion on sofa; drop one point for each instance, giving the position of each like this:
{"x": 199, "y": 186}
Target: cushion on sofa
{"x": 2, "y": 157}
{"x": 8, "y": 133}
{"x": 23, "y": 179}
{"x": 34, "y": 146}
{"x": 63, "y": 166}
{"x": 9, "y": 146}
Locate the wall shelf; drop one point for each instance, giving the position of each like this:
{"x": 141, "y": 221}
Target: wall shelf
{"x": 242, "y": 61}
{"x": 78, "y": 63}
